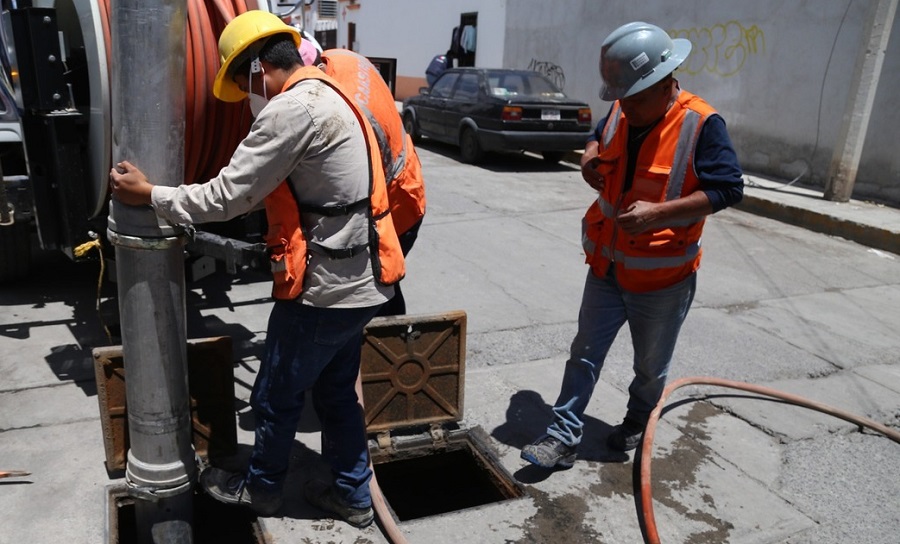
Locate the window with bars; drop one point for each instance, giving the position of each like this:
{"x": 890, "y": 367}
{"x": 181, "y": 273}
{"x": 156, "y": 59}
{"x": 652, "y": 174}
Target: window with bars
{"x": 328, "y": 9}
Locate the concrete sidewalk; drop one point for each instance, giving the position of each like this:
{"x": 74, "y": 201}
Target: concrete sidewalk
{"x": 867, "y": 223}
{"x": 779, "y": 305}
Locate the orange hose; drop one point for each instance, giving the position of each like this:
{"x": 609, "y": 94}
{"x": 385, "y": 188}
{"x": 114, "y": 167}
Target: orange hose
{"x": 649, "y": 520}
{"x": 388, "y": 526}
{"x": 191, "y": 108}
{"x": 225, "y": 9}
{"x": 207, "y": 54}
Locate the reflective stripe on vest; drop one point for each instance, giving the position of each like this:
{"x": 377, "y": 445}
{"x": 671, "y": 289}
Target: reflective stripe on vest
{"x": 589, "y": 246}
{"x": 652, "y": 263}
{"x": 683, "y": 151}
{"x": 612, "y": 124}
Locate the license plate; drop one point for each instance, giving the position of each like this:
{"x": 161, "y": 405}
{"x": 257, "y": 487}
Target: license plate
{"x": 549, "y": 115}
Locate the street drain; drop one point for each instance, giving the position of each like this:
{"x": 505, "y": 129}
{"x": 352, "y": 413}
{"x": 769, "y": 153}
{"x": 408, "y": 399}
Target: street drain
{"x": 214, "y": 522}
{"x": 422, "y": 482}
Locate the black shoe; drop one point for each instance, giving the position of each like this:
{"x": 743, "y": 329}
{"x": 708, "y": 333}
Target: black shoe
{"x": 626, "y": 437}
{"x": 549, "y": 452}
{"x": 321, "y": 495}
{"x": 231, "y": 488}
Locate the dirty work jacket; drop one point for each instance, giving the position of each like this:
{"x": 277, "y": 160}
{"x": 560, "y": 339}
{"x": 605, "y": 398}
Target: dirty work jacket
{"x": 666, "y": 254}
{"x": 402, "y": 170}
{"x": 286, "y": 243}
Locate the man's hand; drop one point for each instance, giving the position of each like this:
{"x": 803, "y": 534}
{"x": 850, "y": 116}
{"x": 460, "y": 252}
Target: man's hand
{"x": 638, "y": 217}
{"x": 129, "y": 185}
{"x": 592, "y": 175}
{"x": 589, "y": 163}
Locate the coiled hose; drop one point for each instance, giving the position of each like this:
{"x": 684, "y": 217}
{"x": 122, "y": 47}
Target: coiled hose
{"x": 213, "y": 129}
{"x": 649, "y": 521}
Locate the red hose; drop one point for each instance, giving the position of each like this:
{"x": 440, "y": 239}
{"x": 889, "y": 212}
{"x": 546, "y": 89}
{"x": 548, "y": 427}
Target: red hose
{"x": 649, "y": 520}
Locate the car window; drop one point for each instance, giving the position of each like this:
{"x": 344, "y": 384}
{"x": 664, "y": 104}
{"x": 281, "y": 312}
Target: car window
{"x": 443, "y": 86}
{"x": 467, "y": 88}
{"x": 517, "y": 84}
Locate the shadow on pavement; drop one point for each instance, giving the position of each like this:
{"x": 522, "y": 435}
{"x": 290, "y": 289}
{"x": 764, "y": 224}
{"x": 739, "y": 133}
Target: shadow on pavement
{"x": 526, "y": 419}
{"x": 499, "y": 161}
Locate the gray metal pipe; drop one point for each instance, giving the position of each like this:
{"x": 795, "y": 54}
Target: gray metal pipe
{"x": 148, "y": 82}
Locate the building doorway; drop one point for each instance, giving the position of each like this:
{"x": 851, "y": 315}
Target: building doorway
{"x": 466, "y": 42}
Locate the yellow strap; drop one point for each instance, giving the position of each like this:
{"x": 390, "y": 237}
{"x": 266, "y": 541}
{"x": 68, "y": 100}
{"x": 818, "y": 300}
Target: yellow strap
{"x": 81, "y": 251}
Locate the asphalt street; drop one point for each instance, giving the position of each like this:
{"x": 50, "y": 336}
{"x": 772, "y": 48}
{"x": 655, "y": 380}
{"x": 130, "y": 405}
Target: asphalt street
{"x": 778, "y": 305}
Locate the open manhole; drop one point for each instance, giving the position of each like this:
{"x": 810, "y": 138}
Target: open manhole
{"x": 421, "y": 480}
{"x": 426, "y": 462}
{"x": 214, "y": 522}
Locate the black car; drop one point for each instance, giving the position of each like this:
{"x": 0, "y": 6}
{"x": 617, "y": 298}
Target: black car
{"x": 486, "y": 109}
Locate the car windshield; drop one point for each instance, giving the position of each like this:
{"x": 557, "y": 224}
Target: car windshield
{"x": 521, "y": 84}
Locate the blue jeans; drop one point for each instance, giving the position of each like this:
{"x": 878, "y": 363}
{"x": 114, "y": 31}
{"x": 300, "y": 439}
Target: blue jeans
{"x": 654, "y": 319}
{"x": 318, "y": 349}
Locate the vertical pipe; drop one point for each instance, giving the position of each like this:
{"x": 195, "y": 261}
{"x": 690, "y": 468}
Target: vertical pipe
{"x": 148, "y": 82}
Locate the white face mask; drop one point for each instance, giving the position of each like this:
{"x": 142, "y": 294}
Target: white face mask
{"x": 257, "y": 103}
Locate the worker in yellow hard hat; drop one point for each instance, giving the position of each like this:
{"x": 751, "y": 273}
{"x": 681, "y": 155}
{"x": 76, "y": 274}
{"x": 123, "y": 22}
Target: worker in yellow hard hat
{"x": 312, "y": 159}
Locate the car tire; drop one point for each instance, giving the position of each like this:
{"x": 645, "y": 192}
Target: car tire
{"x": 469, "y": 148}
{"x": 553, "y": 157}
{"x": 15, "y": 251}
{"x": 409, "y": 125}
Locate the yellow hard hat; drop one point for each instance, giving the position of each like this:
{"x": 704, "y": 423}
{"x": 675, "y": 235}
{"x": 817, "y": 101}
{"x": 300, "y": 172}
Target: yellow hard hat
{"x": 240, "y": 34}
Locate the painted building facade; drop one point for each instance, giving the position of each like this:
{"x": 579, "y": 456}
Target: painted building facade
{"x": 779, "y": 72}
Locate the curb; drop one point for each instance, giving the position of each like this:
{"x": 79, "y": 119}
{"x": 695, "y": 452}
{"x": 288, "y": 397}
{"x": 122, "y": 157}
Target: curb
{"x": 867, "y": 235}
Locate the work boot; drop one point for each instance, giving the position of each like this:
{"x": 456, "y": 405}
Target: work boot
{"x": 231, "y": 488}
{"x": 549, "y": 452}
{"x": 627, "y": 436}
{"x": 322, "y": 496}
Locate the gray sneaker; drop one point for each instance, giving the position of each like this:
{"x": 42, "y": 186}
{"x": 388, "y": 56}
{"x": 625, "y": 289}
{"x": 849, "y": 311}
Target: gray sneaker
{"x": 231, "y": 488}
{"x": 321, "y": 495}
{"x": 549, "y": 452}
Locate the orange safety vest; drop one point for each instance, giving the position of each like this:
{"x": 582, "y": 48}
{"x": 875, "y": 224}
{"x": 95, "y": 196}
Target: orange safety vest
{"x": 667, "y": 254}
{"x": 285, "y": 241}
{"x": 402, "y": 169}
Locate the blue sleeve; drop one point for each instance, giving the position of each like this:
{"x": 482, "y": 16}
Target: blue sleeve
{"x": 598, "y": 130}
{"x": 716, "y": 164}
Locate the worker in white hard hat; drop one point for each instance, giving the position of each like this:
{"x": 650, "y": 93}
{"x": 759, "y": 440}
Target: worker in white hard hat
{"x": 661, "y": 161}
{"x": 311, "y": 157}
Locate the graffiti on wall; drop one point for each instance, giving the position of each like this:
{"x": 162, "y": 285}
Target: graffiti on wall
{"x": 721, "y": 49}
{"x": 552, "y": 71}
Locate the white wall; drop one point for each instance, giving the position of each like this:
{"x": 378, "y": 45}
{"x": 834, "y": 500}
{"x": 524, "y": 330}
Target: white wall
{"x": 414, "y": 31}
{"x": 762, "y": 64}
